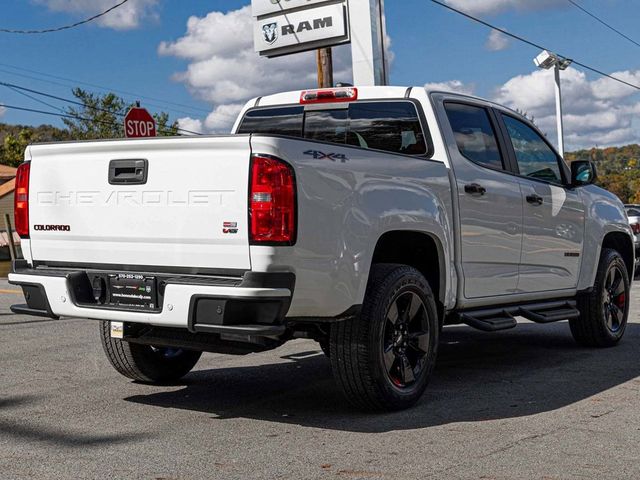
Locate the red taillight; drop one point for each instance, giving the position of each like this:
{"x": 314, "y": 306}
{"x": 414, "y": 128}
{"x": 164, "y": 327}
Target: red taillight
{"x": 332, "y": 95}
{"x": 21, "y": 200}
{"x": 636, "y": 228}
{"x": 272, "y": 202}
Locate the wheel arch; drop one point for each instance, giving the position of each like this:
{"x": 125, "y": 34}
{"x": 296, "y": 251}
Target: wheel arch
{"x": 621, "y": 243}
{"x": 420, "y": 250}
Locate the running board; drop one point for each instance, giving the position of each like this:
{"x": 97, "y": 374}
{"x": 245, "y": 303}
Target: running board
{"x": 502, "y": 318}
{"x": 489, "y": 324}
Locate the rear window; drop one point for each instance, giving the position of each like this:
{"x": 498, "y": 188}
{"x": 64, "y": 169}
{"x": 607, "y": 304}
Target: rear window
{"x": 388, "y": 126}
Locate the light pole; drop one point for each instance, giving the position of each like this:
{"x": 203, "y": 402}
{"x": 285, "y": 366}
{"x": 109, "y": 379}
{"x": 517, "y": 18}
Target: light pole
{"x": 548, "y": 60}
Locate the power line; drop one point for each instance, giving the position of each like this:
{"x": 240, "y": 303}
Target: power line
{"x": 65, "y": 27}
{"x": 33, "y": 98}
{"x": 594, "y": 16}
{"x": 101, "y": 87}
{"x": 75, "y": 102}
{"x": 67, "y": 115}
{"x": 529, "y": 42}
{"x": 62, "y": 115}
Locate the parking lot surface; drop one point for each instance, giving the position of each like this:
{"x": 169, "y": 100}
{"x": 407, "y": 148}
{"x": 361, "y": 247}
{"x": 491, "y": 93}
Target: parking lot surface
{"x": 525, "y": 403}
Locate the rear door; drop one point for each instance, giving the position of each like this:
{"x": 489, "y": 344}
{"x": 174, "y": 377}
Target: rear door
{"x": 152, "y": 203}
{"x": 553, "y": 226}
{"x": 489, "y": 199}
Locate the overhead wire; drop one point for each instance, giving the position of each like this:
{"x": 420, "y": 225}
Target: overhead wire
{"x": 610, "y": 27}
{"x": 68, "y": 115}
{"x": 533, "y": 44}
{"x": 65, "y": 27}
{"x": 74, "y": 102}
{"x": 76, "y": 82}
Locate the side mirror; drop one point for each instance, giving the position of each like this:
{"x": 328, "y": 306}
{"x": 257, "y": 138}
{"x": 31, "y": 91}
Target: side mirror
{"x": 583, "y": 172}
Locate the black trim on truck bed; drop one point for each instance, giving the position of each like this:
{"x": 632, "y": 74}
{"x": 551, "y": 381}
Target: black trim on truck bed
{"x": 148, "y": 269}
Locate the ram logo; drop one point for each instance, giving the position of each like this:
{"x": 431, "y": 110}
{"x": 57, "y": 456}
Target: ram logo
{"x": 270, "y": 32}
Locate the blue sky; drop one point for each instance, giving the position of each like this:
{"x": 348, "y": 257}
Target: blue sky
{"x": 430, "y": 44}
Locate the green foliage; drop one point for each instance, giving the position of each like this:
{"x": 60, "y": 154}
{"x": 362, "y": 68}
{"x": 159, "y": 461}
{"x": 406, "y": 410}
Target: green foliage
{"x": 100, "y": 116}
{"x": 15, "y": 138}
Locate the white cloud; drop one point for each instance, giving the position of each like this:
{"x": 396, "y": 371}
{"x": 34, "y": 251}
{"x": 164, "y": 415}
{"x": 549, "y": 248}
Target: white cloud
{"x": 599, "y": 112}
{"x": 2, "y": 110}
{"x": 225, "y": 71}
{"x": 128, "y": 16}
{"x": 451, "y": 86}
{"x": 493, "y": 7}
{"x": 190, "y": 126}
{"x": 497, "y": 41}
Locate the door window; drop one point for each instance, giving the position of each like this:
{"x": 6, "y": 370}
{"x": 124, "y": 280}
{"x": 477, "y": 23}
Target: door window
{"x": 474, "y": 133}
{"x": 536, "y": 159}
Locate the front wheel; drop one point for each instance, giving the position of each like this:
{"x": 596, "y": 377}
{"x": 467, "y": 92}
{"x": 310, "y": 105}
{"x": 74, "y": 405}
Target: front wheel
{"x": 605, "y": 309}
{"x": 145, "y": 363}
{"x": 383, "y": 358}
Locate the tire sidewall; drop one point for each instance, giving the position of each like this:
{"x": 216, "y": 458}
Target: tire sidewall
{"x": 399, "y": 281}
{"x": 612, "y": 259}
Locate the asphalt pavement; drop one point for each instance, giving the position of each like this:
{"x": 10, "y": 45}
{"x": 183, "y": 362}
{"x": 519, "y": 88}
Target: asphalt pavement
{"x": 527, "y": 403}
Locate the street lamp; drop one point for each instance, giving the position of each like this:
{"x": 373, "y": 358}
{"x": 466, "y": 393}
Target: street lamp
{"x": 548, "y": 60}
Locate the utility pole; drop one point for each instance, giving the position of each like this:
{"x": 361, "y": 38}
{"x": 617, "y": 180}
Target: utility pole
{"x": 325, "y": 68}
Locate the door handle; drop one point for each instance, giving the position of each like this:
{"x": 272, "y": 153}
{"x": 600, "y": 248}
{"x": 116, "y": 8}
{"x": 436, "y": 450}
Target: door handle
{"x": 128, "y": 172}
{"x": 534, "y": 199}
{"x": 475, "y": 189}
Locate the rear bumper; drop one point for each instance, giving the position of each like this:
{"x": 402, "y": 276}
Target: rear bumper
{"x": 255, "y": 304}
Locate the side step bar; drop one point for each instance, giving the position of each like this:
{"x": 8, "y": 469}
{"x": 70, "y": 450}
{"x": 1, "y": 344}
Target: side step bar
{"x": 495, "y": 319}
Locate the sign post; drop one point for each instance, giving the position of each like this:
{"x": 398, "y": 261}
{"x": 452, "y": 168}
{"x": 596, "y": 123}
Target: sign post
{"x": 139, "y": 123}
{"x": 325, "y": 67}
{"x": 368, "y": 42}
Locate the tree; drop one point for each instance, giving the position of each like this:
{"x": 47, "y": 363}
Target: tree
{"x": 102, "y": 116}
{"x": 13, "y": 147}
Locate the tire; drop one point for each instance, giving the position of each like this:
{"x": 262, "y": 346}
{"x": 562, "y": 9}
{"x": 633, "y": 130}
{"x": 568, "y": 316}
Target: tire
{"x": 382, "y": 364}
{"x": 605, "y": 310}
{"x": 145, "y": 363}
{"x": 325, "y": 347}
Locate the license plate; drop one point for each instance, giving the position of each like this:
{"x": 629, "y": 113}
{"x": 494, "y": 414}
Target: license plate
{"x": 133, "y": 290}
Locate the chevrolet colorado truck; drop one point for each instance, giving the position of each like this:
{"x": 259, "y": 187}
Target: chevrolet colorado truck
{"x": 363, "y": 218}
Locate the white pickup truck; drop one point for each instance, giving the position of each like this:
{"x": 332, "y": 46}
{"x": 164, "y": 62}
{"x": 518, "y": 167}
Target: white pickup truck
{"x": 363, "y": 218}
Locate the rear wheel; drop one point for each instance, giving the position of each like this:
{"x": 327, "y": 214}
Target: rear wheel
{"x": 383, "y": 359}
{"x": 604, "y": 311}
{"x": 146, "y": 363}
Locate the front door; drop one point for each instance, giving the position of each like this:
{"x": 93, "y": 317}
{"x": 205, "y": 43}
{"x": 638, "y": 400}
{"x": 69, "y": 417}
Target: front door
{"x": 489, "y": 201}
{"x": 553, "y": 220}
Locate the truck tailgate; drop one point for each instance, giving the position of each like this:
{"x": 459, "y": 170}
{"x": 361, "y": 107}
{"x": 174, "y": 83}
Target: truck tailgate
{"x": 191, "y": 210}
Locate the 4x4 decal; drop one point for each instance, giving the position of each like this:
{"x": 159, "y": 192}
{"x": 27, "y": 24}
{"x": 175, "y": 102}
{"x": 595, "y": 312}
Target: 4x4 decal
{"x": 334, "y": 157}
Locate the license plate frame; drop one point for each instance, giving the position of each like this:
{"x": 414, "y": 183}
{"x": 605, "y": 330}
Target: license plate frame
{"x": 133, "y": 291}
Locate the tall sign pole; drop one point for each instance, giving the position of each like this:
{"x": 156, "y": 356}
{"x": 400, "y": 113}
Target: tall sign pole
{"x": 325, "y": 68}
{"x": 368, "y": 38}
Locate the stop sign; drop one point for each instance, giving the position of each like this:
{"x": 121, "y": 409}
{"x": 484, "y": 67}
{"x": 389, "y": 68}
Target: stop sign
{"x": 139, "y": 123}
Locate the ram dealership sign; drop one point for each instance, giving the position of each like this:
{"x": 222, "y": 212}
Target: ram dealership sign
{"x": 282, "y": 27}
